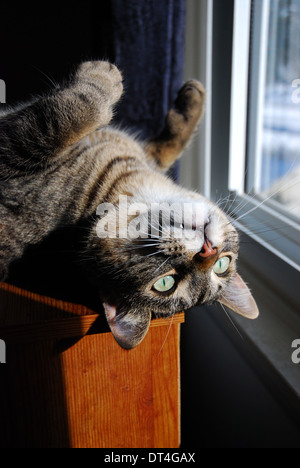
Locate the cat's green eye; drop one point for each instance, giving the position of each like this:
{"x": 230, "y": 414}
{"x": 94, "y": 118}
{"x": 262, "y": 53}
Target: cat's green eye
{"x": 164, "y": 284}
{"x": 221, "y": 266}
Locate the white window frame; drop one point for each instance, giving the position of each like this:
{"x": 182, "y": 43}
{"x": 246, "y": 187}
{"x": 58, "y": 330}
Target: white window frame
{"x": 239, "y": 95}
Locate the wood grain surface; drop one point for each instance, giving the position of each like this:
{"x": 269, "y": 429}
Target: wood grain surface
{"x": 67, "y": 383}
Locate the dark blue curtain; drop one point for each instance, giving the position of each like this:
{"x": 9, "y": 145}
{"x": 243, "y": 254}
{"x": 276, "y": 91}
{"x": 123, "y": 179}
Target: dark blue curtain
{"x": 145, "y": 38}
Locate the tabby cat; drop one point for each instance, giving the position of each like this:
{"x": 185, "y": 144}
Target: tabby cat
{"x": 60, "y": 162}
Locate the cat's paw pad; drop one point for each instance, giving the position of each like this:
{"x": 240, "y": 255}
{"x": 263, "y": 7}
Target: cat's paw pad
{"x": 102, "y": 76}
{"x": 190, "y": 99}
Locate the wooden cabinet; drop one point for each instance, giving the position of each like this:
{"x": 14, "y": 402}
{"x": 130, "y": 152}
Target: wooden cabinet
{"x": 67, "y": 383}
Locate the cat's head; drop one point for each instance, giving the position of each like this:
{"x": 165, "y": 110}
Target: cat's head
{"x": 162, "y": 258}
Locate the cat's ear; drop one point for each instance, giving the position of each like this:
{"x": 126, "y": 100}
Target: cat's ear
{"x": 128, "y": 329}
{"x": 238, "y": 298}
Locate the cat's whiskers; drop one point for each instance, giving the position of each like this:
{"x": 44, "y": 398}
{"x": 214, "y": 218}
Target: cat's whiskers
{"x": 281, "y": 188}
{"x": 141, "y": 246}
{"x": 257, "y": 231}
{"x": 51, "y": 79}
{"x": 168, "y": 332}
{"x": 147, "y": 236}
{"x": 141, "y": 242}
{"x": 158, "y": 229}
{"x": 227, "y": 200}
{"x": 163, "y": 263}
{"x": 231, "y": 321}
{"x": 155, "y": 253}
{"x": 243, "y": 203}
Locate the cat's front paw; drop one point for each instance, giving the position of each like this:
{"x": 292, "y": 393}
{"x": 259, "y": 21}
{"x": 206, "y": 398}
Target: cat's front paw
{"x": 104, "y": 77}
{"x": 190, "y": 100}
{"x": 97, "y": 87}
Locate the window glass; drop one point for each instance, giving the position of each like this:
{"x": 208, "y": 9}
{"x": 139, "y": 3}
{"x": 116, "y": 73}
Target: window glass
{"x": 278, "y": 171}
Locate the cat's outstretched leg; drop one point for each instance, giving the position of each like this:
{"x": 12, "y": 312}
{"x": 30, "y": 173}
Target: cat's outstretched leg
{"x": 180, "y": 125}
{"x": 44, "y": 128}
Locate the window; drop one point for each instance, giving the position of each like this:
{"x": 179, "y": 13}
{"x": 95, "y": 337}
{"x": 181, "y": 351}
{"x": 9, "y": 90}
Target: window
{"x": 250, "y": 149}
{"x": 276, "y": 171}
{"x": 265, "y": 162}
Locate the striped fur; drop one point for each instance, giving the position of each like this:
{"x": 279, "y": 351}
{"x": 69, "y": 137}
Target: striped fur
{"x": 59, "y": 160}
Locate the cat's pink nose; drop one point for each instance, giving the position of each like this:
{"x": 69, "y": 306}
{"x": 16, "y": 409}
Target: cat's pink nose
{"x": 207, "y": 249}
